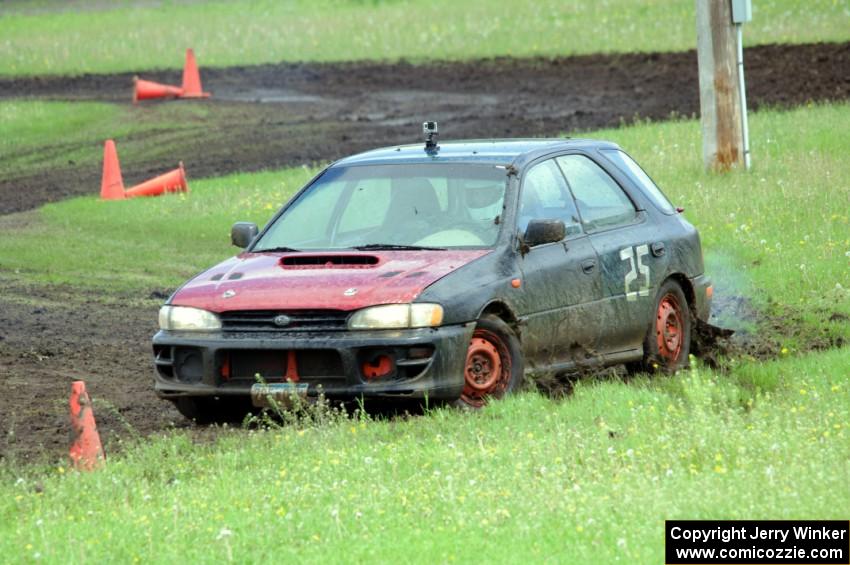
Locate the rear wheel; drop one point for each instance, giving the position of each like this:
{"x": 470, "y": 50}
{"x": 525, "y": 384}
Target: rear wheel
{"x": 494, "y": 364}
{"x": 668, "y": 340}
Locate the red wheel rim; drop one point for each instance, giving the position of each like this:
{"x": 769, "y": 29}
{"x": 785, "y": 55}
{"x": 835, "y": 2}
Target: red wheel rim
{"x": 488, "y": 368}
{"x": 669, "y": 328}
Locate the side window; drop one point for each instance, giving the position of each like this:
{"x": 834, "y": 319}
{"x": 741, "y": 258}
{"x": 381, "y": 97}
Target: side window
{"x": 368, "y": 206}
{"x": 631, "y": 168}
{"x": 545, "y": 195}
{"x": 600, "y": 200}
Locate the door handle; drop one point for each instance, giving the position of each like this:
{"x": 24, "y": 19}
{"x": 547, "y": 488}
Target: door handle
{"x": 658, "y": 249}
{"x": 588, "y": 266}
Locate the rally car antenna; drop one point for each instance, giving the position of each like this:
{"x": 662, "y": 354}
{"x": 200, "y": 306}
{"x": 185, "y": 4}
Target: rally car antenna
{"x": 431, "y": 135}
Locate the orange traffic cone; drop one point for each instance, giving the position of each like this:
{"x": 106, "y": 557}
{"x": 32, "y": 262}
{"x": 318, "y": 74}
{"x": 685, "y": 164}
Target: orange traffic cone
{"x": 173, "y": 181}
{"x": 192, "y": 78}
{"x": 146, "y": 90}
{"x": 86, "y": 450}
{"x": 111, "y": 185}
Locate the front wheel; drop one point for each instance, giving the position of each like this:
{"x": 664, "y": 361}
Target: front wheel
{"x": 668, "y": 340}
{"x": 494, "y": 364}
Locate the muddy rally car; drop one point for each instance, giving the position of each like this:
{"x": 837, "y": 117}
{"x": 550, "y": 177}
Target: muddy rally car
{"x": 441, "y": 272}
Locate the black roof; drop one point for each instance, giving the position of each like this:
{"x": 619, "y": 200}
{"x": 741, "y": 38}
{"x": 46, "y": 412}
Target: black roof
{"x": 485, "y": 151}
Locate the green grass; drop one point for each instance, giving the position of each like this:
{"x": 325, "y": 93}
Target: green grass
{"x": 146, "y": 243}
{"x": 50, "y": 37}
{"x": 587, "y": 479}
{"x": 779, "y": 234}
{"x": 36, "y": 135}
{"x": 590, "y": 479}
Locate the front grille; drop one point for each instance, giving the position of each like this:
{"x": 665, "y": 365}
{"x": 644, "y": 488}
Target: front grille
{"x": 298, "y": 320}
{"x": 237, "y": 366}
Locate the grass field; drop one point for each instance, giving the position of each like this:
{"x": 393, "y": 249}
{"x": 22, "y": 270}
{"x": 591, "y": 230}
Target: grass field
{"x": 53, "y": 36}
{"x": 780, "y": 234}
{"x": 585, "y": 479}
{"x": 37, "y": 135}
{"x": 590, "y": 479}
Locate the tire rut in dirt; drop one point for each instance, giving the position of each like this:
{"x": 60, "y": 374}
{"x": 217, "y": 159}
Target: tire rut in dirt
{"x": 49, "y": 338}
{"x": 271, "y": 116}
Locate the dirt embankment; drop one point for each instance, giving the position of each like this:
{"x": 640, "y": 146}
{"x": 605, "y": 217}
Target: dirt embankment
{"x": 270, "y": 116}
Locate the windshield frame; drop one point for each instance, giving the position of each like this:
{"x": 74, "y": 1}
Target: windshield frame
{"x": 508, "y": 204}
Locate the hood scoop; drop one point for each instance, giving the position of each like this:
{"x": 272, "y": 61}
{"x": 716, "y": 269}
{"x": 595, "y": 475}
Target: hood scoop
{"x": 301, "y": 261}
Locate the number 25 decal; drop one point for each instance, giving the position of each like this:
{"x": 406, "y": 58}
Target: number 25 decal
{"x": 633, "y": 256}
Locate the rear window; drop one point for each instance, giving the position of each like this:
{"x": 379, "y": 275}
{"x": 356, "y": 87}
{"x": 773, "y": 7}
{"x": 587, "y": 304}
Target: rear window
{"x": 631, "y": 168}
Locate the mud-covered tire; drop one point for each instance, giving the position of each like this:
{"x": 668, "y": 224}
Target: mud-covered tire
{"x": 667, "y": 343}
{"x": 494, "y": 364}
{"x": 205, "y": 410}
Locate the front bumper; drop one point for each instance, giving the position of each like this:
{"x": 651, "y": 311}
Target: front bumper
{"x": 425, "y": 362}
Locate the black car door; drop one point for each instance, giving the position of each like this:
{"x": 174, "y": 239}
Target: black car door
{"x": 631, "y": 265}
{"x": 561, "y": 285}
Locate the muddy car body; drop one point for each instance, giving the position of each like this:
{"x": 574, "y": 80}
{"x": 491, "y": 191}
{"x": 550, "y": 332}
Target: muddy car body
{"x": 444, "y": 272}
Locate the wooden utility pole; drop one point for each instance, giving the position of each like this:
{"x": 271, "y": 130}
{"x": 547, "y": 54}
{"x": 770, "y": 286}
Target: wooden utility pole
{"x": 720, "y": 104}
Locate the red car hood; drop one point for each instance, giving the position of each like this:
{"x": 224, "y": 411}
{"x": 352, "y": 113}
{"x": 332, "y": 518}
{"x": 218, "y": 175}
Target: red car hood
{"x": 339, "y": 281}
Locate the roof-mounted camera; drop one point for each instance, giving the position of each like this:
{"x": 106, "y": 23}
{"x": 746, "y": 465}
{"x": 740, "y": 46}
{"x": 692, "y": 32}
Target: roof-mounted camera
{"x": 429, "y": 129}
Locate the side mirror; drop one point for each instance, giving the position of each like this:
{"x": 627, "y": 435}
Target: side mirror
{"x": 243, "y": 233}
{"x": 539, "y": 232}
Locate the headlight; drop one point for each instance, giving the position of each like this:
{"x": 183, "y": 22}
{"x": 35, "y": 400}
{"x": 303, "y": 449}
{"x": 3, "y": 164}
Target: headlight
{"x": 394, "y": 316}
{"x": 185, "y": 318}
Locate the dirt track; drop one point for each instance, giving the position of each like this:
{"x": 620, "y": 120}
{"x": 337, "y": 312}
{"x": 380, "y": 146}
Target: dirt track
{"x": 275, "y": 115}
{"x": 49, "y": 338}
{"x": 270, "y": 116}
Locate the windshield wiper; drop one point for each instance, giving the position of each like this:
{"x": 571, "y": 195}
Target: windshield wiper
{"x": 276, "y": 250}
{"x": 391, "y": 246}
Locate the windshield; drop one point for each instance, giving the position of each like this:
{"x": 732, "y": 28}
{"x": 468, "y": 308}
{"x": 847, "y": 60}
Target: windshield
{"x": 393, "y": 206}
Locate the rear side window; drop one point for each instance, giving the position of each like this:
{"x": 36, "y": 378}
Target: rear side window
{"x": 631, "y": 168}
{"x": 601, "y": 202}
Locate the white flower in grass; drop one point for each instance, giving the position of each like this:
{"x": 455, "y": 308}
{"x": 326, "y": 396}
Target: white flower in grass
{"x": 224, "y": 533}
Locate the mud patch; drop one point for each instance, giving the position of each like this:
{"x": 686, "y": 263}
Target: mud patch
{"x": 49, "y": 339}
{"x": 271, "y": 116}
